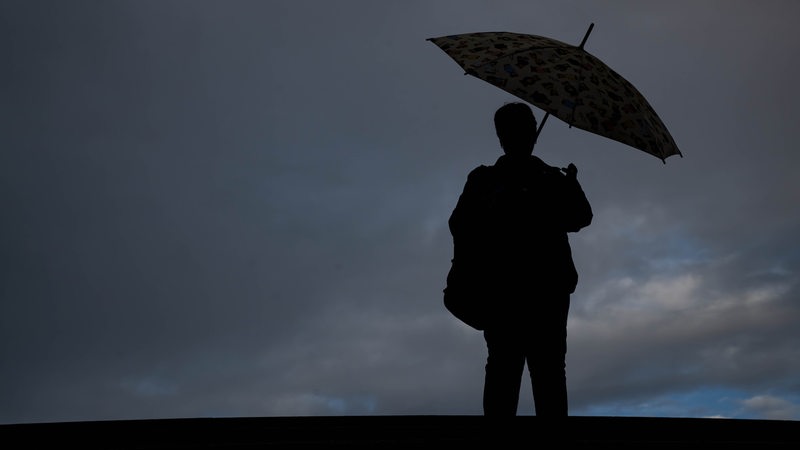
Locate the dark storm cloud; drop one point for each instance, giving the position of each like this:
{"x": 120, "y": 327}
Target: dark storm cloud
{"x": 240, "y": 208}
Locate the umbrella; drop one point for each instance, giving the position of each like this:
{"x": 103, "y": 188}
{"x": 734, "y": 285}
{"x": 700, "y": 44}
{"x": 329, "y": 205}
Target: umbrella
{"x": 563, "y": 80}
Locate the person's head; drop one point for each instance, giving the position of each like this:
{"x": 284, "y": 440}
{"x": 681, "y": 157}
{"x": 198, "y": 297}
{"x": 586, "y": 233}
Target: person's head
{"x": 516, "y": 128}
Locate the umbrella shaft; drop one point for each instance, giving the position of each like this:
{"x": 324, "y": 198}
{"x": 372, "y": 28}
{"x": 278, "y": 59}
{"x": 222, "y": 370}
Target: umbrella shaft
{"x": 544, "y": 119}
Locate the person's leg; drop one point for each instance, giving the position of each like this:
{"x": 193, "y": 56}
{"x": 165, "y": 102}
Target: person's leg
{"x": 504, "y": 367}
{"x": 549, "y": 385}
{"x": 546, "y": 359}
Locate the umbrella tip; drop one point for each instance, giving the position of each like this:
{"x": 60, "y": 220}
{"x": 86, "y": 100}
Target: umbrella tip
{"x": 586, "y": 36}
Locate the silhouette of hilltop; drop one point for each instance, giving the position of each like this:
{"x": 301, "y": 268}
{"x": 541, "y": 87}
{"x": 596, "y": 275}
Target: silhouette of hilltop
{"x": 332, "y": 432}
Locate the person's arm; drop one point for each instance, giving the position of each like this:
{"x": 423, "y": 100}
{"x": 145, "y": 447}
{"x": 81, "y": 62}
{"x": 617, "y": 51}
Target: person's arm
{"x": 577, "y": 210}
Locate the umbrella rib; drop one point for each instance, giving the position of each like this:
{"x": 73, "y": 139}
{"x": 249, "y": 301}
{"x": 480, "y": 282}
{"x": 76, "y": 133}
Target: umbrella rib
{"x": 580, "y": 47}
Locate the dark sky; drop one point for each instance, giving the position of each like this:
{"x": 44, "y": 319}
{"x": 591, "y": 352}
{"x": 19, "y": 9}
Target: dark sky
{"x": 240, "y": 208}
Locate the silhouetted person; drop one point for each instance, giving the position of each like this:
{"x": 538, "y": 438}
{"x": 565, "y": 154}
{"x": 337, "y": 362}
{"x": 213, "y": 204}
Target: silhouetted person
{"x": 509, "y": 231}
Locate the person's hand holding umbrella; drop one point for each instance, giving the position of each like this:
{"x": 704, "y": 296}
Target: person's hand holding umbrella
{"x": 571, "y": 170}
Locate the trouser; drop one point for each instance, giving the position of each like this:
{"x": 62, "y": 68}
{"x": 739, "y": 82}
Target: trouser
{"x": 539, "y": 338}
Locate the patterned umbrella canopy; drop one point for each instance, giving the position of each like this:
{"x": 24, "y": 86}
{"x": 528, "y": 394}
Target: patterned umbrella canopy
{"x": 563, "y": 80}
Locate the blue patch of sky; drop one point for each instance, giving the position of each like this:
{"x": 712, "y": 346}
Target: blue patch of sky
{"x": 150, "y": 387}
{"x": 351, "y": 405}
{"x": 680, "y": 250}
{"x": 704, "y": 402}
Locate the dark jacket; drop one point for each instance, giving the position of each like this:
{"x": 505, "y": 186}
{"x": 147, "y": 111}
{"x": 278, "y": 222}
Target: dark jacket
{"x": 510, "y": 226}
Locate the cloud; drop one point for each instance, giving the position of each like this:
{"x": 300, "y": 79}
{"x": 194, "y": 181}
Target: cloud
{"x": 772, "y": 408}
{"x": 241, "y": 210}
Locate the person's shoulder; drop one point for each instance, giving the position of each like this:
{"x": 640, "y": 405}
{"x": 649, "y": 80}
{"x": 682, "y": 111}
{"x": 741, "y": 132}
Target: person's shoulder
{"x": 481, "y": 171}
{"x": 542, "y": 170}
{"x": 543, "y": 166}
{"x": 481, "y": 176}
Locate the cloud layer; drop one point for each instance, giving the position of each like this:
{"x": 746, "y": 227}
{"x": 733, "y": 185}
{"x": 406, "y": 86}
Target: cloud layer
{"x": 240, "y": 209}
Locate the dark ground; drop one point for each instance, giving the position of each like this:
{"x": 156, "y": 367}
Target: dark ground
{"x": 355, "y": 432}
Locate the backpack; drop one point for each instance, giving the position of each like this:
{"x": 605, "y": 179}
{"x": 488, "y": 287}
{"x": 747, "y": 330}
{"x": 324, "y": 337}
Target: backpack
{"x": 464, "y": 298}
